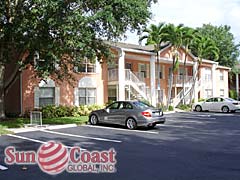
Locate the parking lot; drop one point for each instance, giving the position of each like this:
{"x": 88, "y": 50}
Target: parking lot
{"x": 189, "y": 146}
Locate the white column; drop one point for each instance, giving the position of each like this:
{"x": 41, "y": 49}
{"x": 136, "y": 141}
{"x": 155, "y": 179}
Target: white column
{"x": 121, "y": 75}
{"x": 237, "y": 84}
{"x": 98, "y": 66}
{"x": 214, "y": 80}
{"x": 152, "y": 80}
{"x": 195, "y": 91}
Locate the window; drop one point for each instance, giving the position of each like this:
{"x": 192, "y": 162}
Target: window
{"x": 128, "y": 66}
{"x": 208, "y": 74}
{"x": 208, "y": 93}
{"x": 87, "y": 96}
{"x": 210, "y": 100}
{"x": 113, "y": 106}
{"x": 85, "y": 67}
{"x": 181, "y": 73}
{"x": 112, "y": 93}
{"x": 46, "y": 96}
{"x": 222, "y": 92}
{"x": 161, "y": 72}
{"x": 128, "y": 106}
{"x": 221, "y": 76}
{"x": 142, "y": 68}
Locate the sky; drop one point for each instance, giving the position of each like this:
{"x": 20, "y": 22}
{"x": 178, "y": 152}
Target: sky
{"x": 195, "y": 13}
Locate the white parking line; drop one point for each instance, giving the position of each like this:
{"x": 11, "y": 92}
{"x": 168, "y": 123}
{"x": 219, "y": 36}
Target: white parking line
{"x": 2, "y": 168}
{"x": 193, "y": 117}
{"x": 117, "y": 129}
{"x": 34, "y": 140}
{"x": 79, "y": 136}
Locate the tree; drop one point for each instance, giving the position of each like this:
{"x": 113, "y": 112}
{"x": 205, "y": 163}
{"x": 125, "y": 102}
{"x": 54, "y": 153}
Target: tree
{"x": 225, "y": 42}
{"x": 35, "y": 30}
{"x": 188, "y": 36}
{"x": 203, "y": 47}
{"x": 155, "y": 37}
{"x": 174, "y": 36}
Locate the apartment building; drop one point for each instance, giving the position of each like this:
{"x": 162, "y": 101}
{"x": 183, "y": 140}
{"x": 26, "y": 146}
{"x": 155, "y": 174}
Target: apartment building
{"x": 133, "y": 74}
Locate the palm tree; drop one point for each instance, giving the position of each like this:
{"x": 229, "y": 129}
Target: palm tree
{"x": 174, "y": 36}
{"x": 188, "y": 36}
{"x": 154, "y": 37}
{"x": 202, "y": 47}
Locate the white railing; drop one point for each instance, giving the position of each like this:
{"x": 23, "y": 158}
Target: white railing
{"x": 178, "y": 80}
{"x": 135, "y": 80}
{"x": 186, "y": 94}
{"x": 140, "y": 76}
{"x": 137, "y": 84}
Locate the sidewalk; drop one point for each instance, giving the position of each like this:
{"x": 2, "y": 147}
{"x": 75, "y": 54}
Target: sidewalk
{"x": 176, "y": 110}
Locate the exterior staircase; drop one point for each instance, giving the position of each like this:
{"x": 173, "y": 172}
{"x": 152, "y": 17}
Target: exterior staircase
{"x": 135, "y": 86}
{"x": 186, "y": 94}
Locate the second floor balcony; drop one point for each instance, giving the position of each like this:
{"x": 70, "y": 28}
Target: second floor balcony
{"x": 178, "y": 80}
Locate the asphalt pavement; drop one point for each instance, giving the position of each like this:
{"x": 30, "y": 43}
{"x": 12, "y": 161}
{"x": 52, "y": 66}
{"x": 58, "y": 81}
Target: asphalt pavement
{"x": 190, "y": 146}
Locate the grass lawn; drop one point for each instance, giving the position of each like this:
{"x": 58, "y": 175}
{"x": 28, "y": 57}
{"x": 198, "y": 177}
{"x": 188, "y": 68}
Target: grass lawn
{"x": 19, "y": 122}
{"x": 3, "y": 130}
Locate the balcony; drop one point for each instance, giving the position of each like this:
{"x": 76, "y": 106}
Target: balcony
{"x": 178, "y": 80}
{"x": 113, "y": 75}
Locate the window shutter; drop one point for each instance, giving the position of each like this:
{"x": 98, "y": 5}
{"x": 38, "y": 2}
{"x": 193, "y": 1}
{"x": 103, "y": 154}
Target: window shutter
{"x": 57, "y": 96}
{"x": 76, "y": 97}
{"x": 147, "y": 71}
{"x": 36, "y": 97}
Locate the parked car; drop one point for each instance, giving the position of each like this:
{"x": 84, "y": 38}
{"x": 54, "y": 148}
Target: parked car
{"x": 128, "y": 113}
{"x": 217, "y": 104}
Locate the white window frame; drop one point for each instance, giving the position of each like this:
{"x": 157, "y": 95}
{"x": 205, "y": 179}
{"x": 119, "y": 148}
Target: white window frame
{"x": 222, "y": 92}
{"x": 221, "y": 76}
{"x": 86, "y": 97}
{"x": 41, "y": 98}
{"x": 207, "y": 94}
{"x": 86, "y": 65}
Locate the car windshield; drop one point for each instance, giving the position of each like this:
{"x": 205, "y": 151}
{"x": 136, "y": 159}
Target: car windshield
{"x": 142, "y": 105}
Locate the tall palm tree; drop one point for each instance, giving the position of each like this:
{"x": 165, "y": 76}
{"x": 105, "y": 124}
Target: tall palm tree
{"x": 154, "y": 37}
{"x": 203, "y": 47}
{"x": 188, "y": 36}
{"x": 174, "y": 36}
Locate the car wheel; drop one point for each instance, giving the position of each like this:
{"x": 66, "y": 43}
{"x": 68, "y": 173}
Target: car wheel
{"x": 93, "y": 119}
{"x": 225, "y": 109}
{"x": 198, "y": 108}
{"x": 131, "y": 123}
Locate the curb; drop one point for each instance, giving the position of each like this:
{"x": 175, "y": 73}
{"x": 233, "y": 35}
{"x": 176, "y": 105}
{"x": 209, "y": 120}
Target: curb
{"x": 37, "y": 128}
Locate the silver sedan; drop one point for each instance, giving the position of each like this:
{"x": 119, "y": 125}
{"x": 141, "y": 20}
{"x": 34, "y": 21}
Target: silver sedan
{"x": 128, "y": 113}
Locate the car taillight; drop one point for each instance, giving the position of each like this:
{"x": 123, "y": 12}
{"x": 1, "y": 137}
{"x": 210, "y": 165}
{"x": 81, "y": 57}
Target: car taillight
{"x": 146, "y": 114}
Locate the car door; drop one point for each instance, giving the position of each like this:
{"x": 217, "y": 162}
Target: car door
{"x": 125, "y": 111}
{"x": 111, "y": 112}
{"x": 217, "y": 104}
{"x": 207, "y": 105}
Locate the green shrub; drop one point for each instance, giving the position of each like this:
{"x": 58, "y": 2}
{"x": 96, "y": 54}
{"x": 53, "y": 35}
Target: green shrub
{"x": 170, "y": 108}
{"x": 184, "y": 107}
{"x": 201, "y": 99}
{"x": 51, "y": 111}
{"x": 233, "y": 94}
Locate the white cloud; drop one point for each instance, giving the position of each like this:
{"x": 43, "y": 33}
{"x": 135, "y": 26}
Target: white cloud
{"x": 195, "y": 13}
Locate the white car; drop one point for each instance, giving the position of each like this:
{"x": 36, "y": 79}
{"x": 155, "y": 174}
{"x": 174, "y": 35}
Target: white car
{"x": 217, "y": 104}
